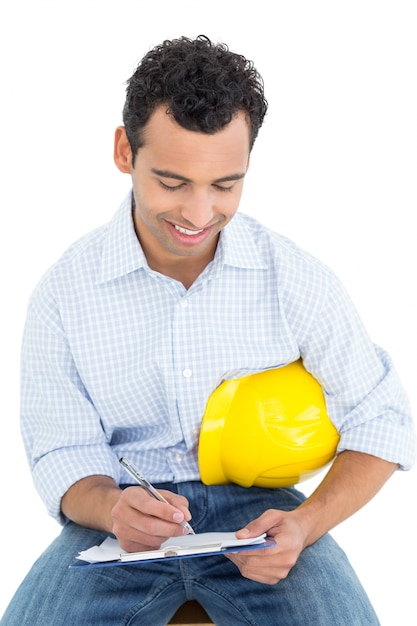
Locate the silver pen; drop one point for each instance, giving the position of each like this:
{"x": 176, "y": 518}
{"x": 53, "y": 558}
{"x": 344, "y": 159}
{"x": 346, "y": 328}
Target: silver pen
{"x": 144, "y": 482}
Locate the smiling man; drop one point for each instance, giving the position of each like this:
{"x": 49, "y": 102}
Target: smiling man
{"x": 186, "y": 188}
{"x": 126, "y": 339}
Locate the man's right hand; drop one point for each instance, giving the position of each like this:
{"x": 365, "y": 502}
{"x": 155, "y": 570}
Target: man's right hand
{"x": 139, "y": 521}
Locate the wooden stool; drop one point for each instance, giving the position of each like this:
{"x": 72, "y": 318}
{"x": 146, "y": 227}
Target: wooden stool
{"x": 190, "y": 614}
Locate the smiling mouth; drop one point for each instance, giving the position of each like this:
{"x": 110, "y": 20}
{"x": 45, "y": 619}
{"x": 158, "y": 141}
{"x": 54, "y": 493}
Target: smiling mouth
{"x": 185, "y": 231}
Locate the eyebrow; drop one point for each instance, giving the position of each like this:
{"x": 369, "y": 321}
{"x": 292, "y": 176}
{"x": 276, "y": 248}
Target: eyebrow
{"x": 223, "y": 179}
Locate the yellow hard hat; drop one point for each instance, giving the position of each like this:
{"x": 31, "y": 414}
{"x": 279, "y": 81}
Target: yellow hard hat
{"x": 269, "y": 429}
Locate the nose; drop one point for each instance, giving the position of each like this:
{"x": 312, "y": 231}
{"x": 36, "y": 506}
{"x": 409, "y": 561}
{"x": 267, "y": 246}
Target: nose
{"x": 198, "y": 211}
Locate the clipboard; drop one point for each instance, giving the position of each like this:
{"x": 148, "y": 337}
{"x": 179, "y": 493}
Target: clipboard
{"x": 109, "y": 553}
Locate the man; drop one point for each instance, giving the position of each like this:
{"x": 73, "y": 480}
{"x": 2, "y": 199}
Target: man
{"x": 127, "y": 336}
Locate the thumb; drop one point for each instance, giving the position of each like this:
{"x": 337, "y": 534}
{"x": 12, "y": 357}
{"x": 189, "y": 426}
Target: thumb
{"x": 262, "y": 524}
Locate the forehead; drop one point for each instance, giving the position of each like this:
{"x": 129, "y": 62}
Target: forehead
{"x": 168, "y": 146}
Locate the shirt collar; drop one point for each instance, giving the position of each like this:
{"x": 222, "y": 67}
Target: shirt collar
{"x": 237, "y": 246}
{"x": 123, "y": 254}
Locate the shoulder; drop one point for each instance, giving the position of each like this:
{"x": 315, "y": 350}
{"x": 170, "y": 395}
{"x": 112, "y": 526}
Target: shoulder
{"x": 280, "y": 253}
{"x": 74, "y": 272}
{"x": 80, "y": 265}
{"x": 304, "y": 285}
{"x": 83, "y": 254}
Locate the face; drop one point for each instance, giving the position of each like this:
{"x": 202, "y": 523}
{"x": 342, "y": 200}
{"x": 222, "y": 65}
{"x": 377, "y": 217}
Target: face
{"x": 187, "y": 186}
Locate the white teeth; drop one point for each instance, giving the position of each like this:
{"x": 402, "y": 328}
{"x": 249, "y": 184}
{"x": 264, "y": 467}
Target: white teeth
{"x": 185, "y": 231}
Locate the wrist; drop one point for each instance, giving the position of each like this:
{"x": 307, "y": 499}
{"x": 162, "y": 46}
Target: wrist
{"x": 89, "y": 502}
{"x": 310, "y": 519}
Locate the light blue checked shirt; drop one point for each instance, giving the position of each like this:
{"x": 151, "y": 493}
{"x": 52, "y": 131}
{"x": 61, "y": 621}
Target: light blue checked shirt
{"x": 119, "y": 360}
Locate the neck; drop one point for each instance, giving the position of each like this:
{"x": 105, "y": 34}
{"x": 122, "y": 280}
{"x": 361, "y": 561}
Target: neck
{"x": 183, "y": 269}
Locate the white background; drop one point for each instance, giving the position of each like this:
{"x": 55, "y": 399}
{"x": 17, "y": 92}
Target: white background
{"x": 334, "y": 168}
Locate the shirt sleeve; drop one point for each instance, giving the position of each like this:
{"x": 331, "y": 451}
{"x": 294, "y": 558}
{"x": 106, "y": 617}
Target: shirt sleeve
{"x": 60, "y": 452}
{"x": 364, "y": 396}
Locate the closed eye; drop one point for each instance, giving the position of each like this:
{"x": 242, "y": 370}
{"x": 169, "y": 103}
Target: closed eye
{"x": 221, "y": 188}
{"x": 171, "y": 187}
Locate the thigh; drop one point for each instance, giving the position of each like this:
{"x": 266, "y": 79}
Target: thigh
{"x": 53, "y": 593}
{"x": 230, "y": 507}
{"x": 322, "y": 589}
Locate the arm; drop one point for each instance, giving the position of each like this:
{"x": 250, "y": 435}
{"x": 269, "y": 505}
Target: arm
{"x": 139, "y": 521}
{"x": 352, "y": 481}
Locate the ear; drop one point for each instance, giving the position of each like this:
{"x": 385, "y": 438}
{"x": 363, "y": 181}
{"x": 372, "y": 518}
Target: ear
{"x": 122, "y": 151}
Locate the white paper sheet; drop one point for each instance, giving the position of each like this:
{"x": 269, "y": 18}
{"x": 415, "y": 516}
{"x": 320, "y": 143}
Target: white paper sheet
{"x": 110, "y": 549}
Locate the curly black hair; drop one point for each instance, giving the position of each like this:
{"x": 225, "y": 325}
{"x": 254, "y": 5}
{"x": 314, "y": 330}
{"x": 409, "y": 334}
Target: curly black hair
{"x": 203, "y": 85}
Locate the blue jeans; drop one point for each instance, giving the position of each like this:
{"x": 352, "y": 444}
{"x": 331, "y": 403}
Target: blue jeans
{"x": 321, "y": 590}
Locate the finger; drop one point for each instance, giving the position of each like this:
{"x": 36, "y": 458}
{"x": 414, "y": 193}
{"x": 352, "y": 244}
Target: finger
{"x": 179, "y": 502}
{"x": 138, "y": 518}
{"x": 139, "y": 500}
{"x": 258, "y": 570}
{"x": 145, "y": 532}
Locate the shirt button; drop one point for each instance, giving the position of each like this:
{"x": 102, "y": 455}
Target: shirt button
{"x": 187, "y": 373}
{"x": 179, "y": 457}
{"x": 184, "y": 303}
